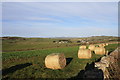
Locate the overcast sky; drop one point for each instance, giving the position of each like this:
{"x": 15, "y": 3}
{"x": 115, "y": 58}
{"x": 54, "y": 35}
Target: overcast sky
{"x": 60, "y": 19}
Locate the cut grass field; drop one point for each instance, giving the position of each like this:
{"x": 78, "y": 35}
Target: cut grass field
{"x": 30, "y": 64}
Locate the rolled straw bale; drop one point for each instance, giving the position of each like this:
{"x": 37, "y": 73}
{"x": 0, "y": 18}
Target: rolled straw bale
{"x": 99, "y": 50}
{"x": 55, "y": 61}
{"x": 106, "y": 44}
{"x": 84, "y": 53}
{"x": 91, "y": 47}
{"x": 82, "y": 47}
{"x": 101, "y": 45}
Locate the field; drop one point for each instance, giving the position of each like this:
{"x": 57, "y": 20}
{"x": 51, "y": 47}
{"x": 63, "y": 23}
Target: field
{"x": 30, "y": 63}
{"x": 25, "y": 44}
{"x": 32, "y": 44}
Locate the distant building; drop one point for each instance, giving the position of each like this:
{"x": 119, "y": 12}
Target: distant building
{"x": 62, "y": 41}
{"x": 83, "y": 41}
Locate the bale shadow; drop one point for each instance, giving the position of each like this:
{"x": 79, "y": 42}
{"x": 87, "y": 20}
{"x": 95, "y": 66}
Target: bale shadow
{"x": 93, "y": 52}
{"x": 15, "y": 68}
{"x": 109, "y": 52}
{"x": 98, "y": 59}
{"x": 68, "y": 60}
{"x": 90, "y": 73}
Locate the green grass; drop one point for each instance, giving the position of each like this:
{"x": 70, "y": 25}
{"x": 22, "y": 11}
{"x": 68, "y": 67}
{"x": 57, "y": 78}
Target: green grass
{"x": 111, "y": 47}
{"x": 25, "y": 44}
{"x": 32, "y": 44}
{"x": 38, "y": 69}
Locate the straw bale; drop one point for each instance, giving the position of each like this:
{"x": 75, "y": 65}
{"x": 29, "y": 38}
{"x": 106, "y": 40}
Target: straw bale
{"x": 82, "y": 47}
{"x": 99, "y": 50}
{"x": 102, "y": 45}
{"x": 55, "y": 61}
{"x": 84, "y": 54}
{"x": 91, "y": 47}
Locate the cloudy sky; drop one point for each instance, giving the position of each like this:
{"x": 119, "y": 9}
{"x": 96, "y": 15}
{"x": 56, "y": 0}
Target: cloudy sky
{"x": 59, "y": 19}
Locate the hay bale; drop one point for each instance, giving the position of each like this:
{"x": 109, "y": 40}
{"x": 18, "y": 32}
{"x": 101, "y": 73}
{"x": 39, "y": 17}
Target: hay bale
{"x": 91, "y": 47}
{"x": 82, "y": 47}
{"x": 99, "y": 50}
{"x": 106, "y": 44}
{"x": 102, "y": 45}
{"x": 55, "y": 61}
{"x": 84, "y": 54}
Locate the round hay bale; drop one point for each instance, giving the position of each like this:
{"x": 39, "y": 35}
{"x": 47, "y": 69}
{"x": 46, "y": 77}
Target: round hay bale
{"x": 82, "y": 47}
{"x": 91, "y": 47}
{"x": 101, "y": 45}
{"x": 84, "y": 54}
{"x": 99, "y": 50}
{"x": 55, "y": 61}
{"x": 106, "y": 44}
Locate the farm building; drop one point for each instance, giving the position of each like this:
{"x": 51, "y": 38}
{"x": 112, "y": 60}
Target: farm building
{"x": 62, "y": 41}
